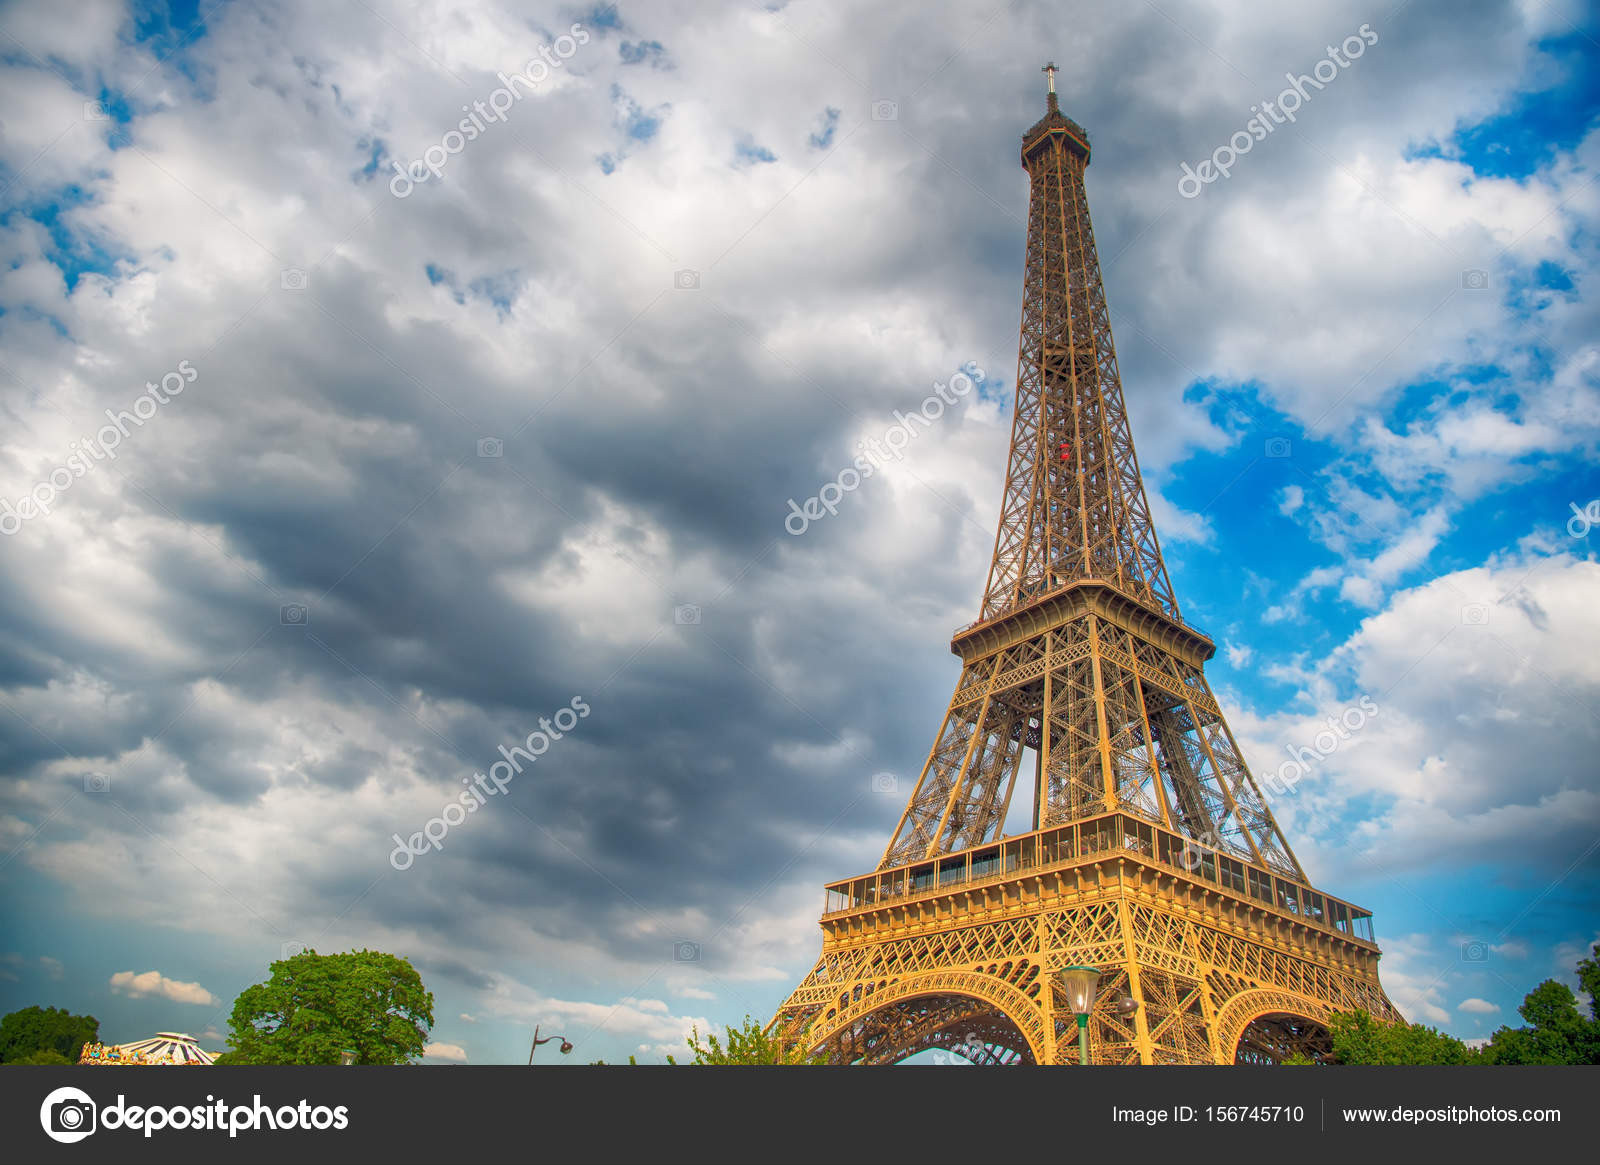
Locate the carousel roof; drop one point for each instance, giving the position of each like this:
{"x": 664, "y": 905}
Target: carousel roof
{"x": 161, "y": 1048}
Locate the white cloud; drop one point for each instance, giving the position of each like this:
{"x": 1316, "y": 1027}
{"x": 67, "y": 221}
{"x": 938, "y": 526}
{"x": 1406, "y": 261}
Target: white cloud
{"x": 153, "y": 984}
{"x": 1477, "y": 1006}
{"x": 647, "y": 1005}
{"x": 1178, "y": 525}
{"x": 1482, "y": 442}
{"x": 1441, "y": 772}
{"x": 585, "y": 1023}
{"x": 454, "y": 1053}
{"x": 1415, "y": 977}
{"x": 1366, "y": 587}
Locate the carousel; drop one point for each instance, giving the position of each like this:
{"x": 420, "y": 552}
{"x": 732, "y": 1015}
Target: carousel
{"x": 163, "y": 1048}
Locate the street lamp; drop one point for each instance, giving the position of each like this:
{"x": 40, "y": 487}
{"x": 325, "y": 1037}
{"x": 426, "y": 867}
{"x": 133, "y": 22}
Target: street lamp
{"x": 348, "y": 1056}
{"x": 566, "y": 1044}
{"x": 1079, "y": 984}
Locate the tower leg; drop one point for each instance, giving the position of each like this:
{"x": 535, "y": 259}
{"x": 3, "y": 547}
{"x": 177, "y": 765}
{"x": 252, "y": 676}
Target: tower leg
{"x": 1141, "y": 1015}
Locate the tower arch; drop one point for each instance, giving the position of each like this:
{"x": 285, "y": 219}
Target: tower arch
{"x": 1266, "y": 1026}
{"x": 875, "y": 1026}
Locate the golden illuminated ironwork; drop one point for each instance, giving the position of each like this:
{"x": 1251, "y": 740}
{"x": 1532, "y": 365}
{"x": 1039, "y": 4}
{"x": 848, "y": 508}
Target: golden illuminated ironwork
{"x": 1152, "y": 857}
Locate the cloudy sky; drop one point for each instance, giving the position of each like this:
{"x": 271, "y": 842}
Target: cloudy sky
{"x": 447, "y": 434}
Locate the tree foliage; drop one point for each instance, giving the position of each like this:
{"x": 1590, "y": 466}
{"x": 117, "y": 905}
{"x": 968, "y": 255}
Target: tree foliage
{"x": 38, "y": 1029}
{"x": 746, "y": 1044}
{"x": 1360, "y": 1039}
{"x": 1556, "y": 1032}
{"x": 1589, "y": 980}
{"x": 315, "y": 1006}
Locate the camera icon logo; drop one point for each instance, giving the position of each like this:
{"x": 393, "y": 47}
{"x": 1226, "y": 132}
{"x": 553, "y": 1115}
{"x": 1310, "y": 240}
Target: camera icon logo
{"x": 68, "y": 1115}
{"x": 96, "y": 783}
{"x": 885, "y": 110}
{"x": 684, "y": 951}
{"x": 96, "y": 111}
{"x": 686, "y": 280}
{"x": 292, "y": 614}
{"x": 1278, "y": 447}
{"x": 491, "y": 447}
{"x": 1475, "y": 614}
{"x": 1475, "y": 279}
{"x": 884, "y": 783}
{"x": 686, "y": 615}
{"x": 292, "y": 279}
{"x": 1476, "y": 951}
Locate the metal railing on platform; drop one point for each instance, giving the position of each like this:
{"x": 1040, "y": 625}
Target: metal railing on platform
{"x": 1066, "y": 845}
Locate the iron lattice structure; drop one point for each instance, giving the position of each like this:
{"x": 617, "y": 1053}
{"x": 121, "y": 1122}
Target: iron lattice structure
{"x": 1152, "y": 854}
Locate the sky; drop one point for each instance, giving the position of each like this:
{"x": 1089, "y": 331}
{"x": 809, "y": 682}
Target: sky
{"x": 341, "y": 452}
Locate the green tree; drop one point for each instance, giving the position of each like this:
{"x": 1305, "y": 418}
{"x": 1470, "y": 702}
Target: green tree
{"x": 44, "y": 1056}
{"x": 746, "y": 1044}
{"x": 1556, "y": 1032}
{"x": 36, "y": 1029}
{"x": 1589, "y": 980}
{"x": 1360, "y": 1039}
{"x": 314, "y": 1006}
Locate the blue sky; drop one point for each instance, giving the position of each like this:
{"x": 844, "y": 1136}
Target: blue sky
{"x": 679, "y": 282}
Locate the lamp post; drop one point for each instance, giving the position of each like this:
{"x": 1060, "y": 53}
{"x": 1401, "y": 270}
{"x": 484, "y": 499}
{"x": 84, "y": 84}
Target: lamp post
{"x": 348, "y": 1056}
{"x": 1079, "y": 984}
{"x": 566, "y": 1044}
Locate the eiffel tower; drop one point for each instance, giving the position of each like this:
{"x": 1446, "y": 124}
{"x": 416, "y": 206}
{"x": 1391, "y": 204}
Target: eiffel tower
{"x": 1152, "y": 856}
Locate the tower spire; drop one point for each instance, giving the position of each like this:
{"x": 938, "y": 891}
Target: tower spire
{"x": 1050, "y": 71}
